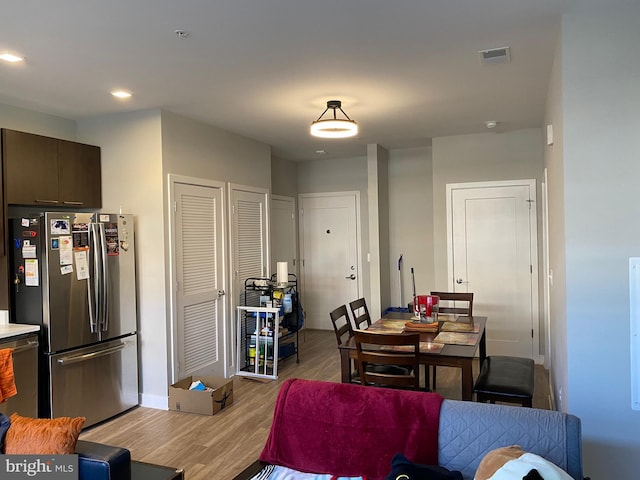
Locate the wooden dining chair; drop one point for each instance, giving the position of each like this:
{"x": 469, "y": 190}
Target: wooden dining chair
{"x": 457, "y": 303}
{"x": 388, "y": 359}
{"x": 341, "y": 324}
{"x": 360, "y": 314}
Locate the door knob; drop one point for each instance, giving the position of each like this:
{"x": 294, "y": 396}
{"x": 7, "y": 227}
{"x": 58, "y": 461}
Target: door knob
{"x": 459, "y": 281}
{"x": 351, "y": 277}
{"x": 221, "y": 293}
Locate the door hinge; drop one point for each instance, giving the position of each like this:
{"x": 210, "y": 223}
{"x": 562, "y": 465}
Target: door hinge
{"x": 532, "y": 333}
{"x": 233, "y": 209}
{"x": 529, "y": 202}
{"x": 531, "y": 269}
{"x": 301, "y": 212}
{"x": 175, "y": 206}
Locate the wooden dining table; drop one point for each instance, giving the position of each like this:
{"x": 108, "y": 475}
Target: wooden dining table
{"x": 438, "y": 353}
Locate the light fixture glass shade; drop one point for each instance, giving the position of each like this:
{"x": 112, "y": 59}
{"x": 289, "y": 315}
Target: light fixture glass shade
{"x": 334, "y": 128}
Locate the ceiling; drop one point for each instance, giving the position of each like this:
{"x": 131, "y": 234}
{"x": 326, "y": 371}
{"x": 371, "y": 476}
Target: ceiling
{"x": 405, "y": 70}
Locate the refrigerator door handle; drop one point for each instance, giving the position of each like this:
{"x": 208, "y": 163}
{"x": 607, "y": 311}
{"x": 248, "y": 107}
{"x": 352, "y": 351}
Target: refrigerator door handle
{"x": 104, "y": 285}
{"x": 92, "y": 282}
{"x": 88, "y": 356}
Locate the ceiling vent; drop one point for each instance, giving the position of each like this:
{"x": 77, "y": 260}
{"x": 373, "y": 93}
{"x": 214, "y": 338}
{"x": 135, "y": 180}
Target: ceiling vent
{"x": 495, "y": 55}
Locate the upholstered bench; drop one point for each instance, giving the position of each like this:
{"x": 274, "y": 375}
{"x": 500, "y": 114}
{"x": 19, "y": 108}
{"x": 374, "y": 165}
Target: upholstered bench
{"x": 505, "y": 379}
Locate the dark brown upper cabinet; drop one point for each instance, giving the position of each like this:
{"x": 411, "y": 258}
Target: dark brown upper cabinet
{"x": 79, "y": 176}
{"x": 45, "y": 171}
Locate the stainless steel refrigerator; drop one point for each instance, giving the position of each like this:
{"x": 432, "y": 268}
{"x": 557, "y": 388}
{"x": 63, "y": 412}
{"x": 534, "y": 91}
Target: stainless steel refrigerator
{"x": 74, "y": 275}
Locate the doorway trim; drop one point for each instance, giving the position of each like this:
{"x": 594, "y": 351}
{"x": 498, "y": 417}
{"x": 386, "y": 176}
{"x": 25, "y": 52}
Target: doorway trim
{"x": 172, "y": 328}
{"x": 533, "y": 246}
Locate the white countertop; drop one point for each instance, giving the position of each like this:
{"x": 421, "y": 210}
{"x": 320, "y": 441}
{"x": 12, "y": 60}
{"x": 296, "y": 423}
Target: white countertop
{"x": 12, "y": 329}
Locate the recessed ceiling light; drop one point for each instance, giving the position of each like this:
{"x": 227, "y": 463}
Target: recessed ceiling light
{"x": 8, "y": 57}
{"x": 321, "y": 152}
{"x": 121, "y": 94}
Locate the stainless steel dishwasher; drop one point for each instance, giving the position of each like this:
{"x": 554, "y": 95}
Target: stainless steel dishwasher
{"x": 25, "y": 373}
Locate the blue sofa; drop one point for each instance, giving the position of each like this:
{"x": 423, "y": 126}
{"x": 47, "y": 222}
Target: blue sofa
{"x": 467, "y": 431}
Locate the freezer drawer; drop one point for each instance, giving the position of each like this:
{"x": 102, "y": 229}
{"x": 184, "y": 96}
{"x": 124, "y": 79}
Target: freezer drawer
{"x": 25, "y": 373}
{"x": 95, "y": 382}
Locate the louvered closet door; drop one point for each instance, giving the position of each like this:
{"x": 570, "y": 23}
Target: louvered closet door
{"x": 199, "y": 270}
{"x": 249, "y": 238}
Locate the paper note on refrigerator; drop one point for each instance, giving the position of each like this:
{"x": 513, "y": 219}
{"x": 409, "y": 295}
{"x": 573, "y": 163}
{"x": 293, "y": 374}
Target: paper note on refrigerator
{"x": 66, "y": 269}
{"x": 65, "y": 247}
{"x": 31, "y": 276}
{"x": 82, "y": 266}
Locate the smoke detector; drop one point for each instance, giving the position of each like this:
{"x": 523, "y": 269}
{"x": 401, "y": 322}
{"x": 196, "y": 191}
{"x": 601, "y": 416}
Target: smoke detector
{"x": 495, "y": 55}
{"x": 491, "y": 124}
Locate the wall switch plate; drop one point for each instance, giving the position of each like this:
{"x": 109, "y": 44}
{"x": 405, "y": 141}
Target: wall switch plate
{"x": 549, "y": 134}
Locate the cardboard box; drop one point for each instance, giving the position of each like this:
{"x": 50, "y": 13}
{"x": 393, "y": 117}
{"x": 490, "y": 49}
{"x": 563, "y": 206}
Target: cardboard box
{"x": 200, "y": 401}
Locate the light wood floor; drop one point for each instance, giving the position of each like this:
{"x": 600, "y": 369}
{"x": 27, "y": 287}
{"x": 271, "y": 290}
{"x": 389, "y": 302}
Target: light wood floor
{"x": 219, "y": 447}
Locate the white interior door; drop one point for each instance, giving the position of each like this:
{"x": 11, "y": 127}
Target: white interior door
{"x": 493, "y": 253}
{"x": 329, "y": 250}
{"x": 284, "y": 232}
{"x": 198, "y": 229}
{"x": 249, "y": 242}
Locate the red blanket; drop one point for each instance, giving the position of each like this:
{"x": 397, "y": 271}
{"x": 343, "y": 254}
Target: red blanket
{"x": 350, "y": 430}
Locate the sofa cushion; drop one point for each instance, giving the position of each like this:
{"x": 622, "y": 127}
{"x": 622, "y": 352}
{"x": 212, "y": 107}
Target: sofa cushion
{"x": 42, "y": 436}
{"x": 470, "y": 430}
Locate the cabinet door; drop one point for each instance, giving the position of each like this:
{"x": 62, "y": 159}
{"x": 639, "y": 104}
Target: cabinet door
{"x": 79, "y": 179}
{"x": 31, "y": 168}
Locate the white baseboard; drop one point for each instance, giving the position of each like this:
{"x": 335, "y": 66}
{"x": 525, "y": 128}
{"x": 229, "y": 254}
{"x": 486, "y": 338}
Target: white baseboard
{"x": 154, "y": 401}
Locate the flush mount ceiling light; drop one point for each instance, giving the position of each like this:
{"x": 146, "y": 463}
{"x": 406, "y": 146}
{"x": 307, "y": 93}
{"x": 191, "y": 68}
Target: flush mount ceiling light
{"x": 121, "y": 94}
{"x": 8, "y": 57}
{"x": 334, "y": 127}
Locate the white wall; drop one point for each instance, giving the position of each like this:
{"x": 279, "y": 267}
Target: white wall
{"x": 284, "y": 177}
{"x": 554, "y": 162}
{"x": 339, "y": 175}
{"x": 194, "y": 149}
{"x": 132, "y": 180}
{"x": 601, "y": 104}
{"x": 378, "y": 201}
{"x": 410, "y": 222}
{"x": 476, "y": 158}
{"x": 30, "y": 121}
